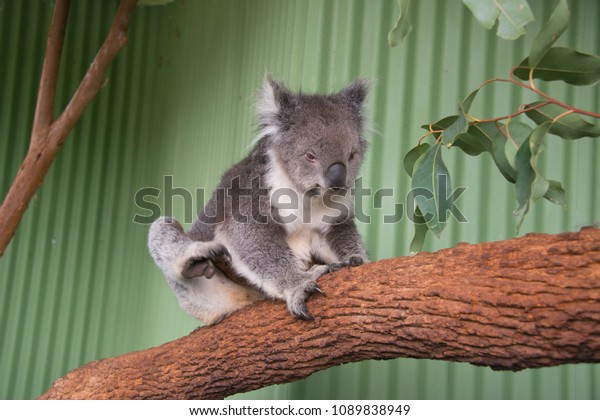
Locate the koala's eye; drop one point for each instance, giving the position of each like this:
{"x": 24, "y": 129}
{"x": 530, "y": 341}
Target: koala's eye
{"x": 351, "y": 156}
{"x": 310, "y": 157}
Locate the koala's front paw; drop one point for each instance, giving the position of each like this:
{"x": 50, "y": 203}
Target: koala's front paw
{"x": 200, "y": 257}
{"x": 296, "y": 300}
{"x": 353, "y": 261}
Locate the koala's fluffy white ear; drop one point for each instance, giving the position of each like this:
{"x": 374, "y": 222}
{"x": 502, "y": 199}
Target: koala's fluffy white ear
{"x": 356, "y": 92}
{"x": 273, "y": 100}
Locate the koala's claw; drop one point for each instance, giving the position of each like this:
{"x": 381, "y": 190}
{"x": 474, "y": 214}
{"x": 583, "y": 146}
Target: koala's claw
{"x": 332, "y": 268}
{"x": 297, "y": 300}
{"x": 353, "y": 261}
{"x": 220, "y": 251}
{"x": 302, "y": 313}
{"x": 317, "y": 289}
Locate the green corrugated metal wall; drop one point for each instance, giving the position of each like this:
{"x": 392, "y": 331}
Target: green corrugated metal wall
{"x": 76, "y": 283}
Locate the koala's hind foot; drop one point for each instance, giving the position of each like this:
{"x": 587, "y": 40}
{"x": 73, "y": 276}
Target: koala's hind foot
{"x": 178, "y": 256}
{"x": 203, "y": 256}
{"x": 190, "y": 268}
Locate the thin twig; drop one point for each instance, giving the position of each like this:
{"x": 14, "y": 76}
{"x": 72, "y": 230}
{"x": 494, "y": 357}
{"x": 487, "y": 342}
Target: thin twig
{"x": 47, "y": 88}
{"x": 94, "y": 79}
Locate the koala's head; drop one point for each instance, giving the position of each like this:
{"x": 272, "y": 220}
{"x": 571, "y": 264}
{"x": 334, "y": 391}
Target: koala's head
{"x": 316, "y": 139}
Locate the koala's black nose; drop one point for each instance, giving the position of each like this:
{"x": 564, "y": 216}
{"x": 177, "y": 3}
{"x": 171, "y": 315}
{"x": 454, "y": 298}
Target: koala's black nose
{"x": 335, "y": 175}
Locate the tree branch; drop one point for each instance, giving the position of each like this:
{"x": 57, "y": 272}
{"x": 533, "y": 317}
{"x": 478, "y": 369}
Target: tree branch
{"x": 93, "y": 81}
{"x": 45, "y": 103}
{"x": 47, "y": 136}
{"x": 520, "y": 303}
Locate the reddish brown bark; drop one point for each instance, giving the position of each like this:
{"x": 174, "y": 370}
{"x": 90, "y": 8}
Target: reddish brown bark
{"x": 48, "y": 135}
{"x": 520, "y": 303}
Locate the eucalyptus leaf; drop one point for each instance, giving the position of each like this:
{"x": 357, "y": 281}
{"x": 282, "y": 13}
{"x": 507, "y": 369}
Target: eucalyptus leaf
{"x": 552, "y": 30}
{"x": 421, "y": 230}
{"x": 403, "y": 25}
{"x": 525, "y": 177}
{"x": 469, "y": 144}
{"x": 411, "y": 157}
{"x": 570, "y": 126}
{"x": 540, "y": 185}
{"x": 487, "y": 133}
{"x": 466, "y": 103}
{"x": 485, "y": 11}
{"x": 516, "y": 133}
{"x": 564, "y": 64}
{"x": 530, "y": 184}
{"x": 556, "y": 194}
{"x": 442, "y": 124}
{"x": 458, "y": 127}
{"x": 512, "y": 15}
{"x": 430, "y": 185}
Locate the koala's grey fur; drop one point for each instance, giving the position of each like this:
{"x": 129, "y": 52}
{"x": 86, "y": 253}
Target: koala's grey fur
{"x": 309, "y": 147}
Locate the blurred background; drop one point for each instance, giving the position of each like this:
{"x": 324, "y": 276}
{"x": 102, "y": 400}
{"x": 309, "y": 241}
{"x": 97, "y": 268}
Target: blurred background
{"x": 77, "y": 283}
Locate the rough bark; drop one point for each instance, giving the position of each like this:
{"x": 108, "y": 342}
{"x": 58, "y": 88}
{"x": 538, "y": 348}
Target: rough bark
{"x": 47, "y": 134}
{"x": 520, "y": 303}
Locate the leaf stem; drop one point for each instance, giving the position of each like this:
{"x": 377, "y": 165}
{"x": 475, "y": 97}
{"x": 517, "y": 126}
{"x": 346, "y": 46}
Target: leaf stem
{"x": 532, "y": 87}
{"x": 558, "y": 117}
{"x": 519, "y": 112}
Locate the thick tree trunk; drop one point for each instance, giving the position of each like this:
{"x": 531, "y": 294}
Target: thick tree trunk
{"x": 520, "y": 303}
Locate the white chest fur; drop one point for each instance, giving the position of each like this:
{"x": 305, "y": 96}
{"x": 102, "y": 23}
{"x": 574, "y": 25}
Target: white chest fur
{"x": 306, "y": 219}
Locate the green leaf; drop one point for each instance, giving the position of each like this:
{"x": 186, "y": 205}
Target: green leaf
{"x": 442, "y": 124}
{"x": 552, "y": 30}
{"x": 570, "y": 126}
{"x": 411, "y": 157}
{"x": 403, "y": 25}
{"x": 516, "y": 132}
{"x": 564, "y": 64}
{"x": 512, "y": 15}
{"x": 530, "y": 184}
{"x": 487, "y": 134}
{"x": 421, "y": 230}
{"x": 525, "y": 177}
{"x": 457, "y": 128}
{"x": 463, "y": 140}
{"x": 430, "y": 184}
{"x": 540, "y": 184}
{"x": 466, "y": 103}
{"x": 469, "y": 144}
{"x": 485, "y": 11}
{"x": 556, "y": 194}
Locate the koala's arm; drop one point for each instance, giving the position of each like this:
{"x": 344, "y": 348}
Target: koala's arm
{"x": 345, "y": 241}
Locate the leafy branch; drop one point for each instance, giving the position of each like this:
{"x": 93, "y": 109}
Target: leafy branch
{"x": 514, "y": 146}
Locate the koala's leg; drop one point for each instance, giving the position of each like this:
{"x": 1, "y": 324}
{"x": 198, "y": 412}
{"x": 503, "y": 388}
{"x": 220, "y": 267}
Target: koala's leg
{"x": 261, "y": 255}
{"x": 202, "y": 291}
{"x": 211, "y": 300}
{"x": 177, "y": 255}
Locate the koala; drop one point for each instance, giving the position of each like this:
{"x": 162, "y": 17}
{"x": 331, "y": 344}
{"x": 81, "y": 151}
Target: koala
{"x": 279, "y": 219}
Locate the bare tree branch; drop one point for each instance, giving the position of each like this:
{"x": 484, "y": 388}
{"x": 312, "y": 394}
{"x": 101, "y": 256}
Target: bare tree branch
{"x": 45, "y": 103}
{"x": 515, "y": 304}
{"x": 47, "y": 136}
